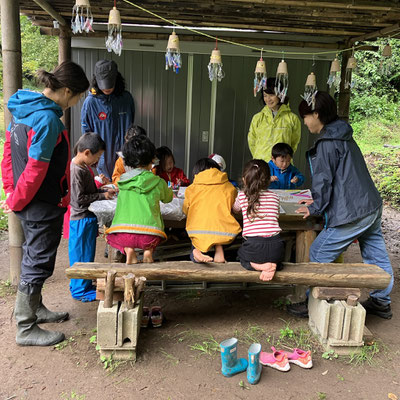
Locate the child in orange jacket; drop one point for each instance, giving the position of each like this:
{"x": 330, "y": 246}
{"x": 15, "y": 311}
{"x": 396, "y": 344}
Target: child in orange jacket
{"x": 208, "y": 203}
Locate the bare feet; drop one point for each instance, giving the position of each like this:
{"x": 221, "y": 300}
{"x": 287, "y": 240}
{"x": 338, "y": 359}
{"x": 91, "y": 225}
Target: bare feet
{"x": 267, "y": 275}
{"x": 131, "y": 257}
{"x": 267, "y": 270}
{"x": 219, "y": 256}
{"x": 148, "y": 256}
{"x": 200, "y": 257}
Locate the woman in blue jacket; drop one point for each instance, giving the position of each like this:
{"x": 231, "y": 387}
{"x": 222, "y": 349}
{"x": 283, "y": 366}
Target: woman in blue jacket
{"x": 344, "y": 193}
{"x": 108, "y": 110}
{"x": 35, "y": 171}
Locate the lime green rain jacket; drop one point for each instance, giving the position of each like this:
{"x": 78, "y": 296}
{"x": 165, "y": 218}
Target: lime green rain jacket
{"x": 138, "y": 204}
{"x": 265, "y": 131}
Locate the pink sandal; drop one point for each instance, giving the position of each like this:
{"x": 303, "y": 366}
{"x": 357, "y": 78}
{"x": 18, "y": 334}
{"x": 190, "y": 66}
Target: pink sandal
{"x": 300, "y": 357}
{"x": 276, "y": 359}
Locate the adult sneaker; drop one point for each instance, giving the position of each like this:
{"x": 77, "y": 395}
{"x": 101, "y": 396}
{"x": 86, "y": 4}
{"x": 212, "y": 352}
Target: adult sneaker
{"x": 300, "y": 357}
{"x": 277, "y": 360}
{"x": 298, "y": 309}
{"x": 374, "y": 306}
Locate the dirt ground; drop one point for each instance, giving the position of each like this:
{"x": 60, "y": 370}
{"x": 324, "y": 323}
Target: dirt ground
{"x": 180, "y": 360}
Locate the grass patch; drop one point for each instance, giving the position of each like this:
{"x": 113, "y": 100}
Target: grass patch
{"x": 367, "y": 355}
{"x": 6, "y": 288}
{"x": 208, "y": 347}
{"x": 170, "y": 358}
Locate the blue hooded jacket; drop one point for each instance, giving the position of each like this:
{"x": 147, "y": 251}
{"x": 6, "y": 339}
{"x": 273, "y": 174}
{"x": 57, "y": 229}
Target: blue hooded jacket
{"x": 342, "y": 188}
{"x": 109, "y": 116}
{"x": 285, "y": 176}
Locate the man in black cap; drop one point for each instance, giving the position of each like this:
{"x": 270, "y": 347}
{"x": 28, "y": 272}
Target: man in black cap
{"x": 109, "y": 110}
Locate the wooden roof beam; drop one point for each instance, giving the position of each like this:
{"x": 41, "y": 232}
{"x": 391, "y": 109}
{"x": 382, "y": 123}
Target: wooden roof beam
{"x": 51, "y": 11}
{"x": 380, "y": 33}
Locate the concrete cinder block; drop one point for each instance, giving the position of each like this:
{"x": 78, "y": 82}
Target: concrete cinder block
{"x": 129, "y": 321}
{"x": 107, "y": 322}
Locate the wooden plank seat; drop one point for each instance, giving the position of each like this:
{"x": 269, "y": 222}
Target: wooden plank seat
{"x": 356, "y": 275}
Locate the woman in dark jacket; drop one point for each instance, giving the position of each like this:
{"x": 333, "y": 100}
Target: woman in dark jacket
{"x": 35, "y": 171}
{"x": 344, "y": 193}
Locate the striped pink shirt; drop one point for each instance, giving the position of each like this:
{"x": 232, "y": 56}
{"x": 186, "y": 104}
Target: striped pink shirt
{"x": 265, "y": 223}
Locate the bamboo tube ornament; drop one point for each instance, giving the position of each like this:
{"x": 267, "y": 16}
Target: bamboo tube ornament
{"x": 215, "y": 70}
{"x": 82, "y": 17}
{"x": 334, "y": 74}
{"x": 260, "y": 76}
{"x": 351, "y": 65}
{"x": 173, "y": 55}
{"x": 114, "y": 37}
{"x": 282, "y": 81}
{"x": 386, "y": 61}
{"x": 310, "y": 90}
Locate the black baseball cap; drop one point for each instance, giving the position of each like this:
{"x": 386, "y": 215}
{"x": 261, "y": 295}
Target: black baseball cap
{"x": 106, "y": 72}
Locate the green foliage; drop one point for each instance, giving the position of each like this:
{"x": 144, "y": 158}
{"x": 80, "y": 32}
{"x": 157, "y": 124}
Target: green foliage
{"x": 329, "y": 355}
{"x": 365, "y": 356}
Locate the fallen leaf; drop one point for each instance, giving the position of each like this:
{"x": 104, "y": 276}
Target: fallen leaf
{"x": 392, "y": 396}
{"x": 325, "y": 372}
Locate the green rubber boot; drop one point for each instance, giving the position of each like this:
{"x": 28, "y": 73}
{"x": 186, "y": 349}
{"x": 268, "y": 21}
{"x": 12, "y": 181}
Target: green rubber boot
{"x": 44, "y": 315}
{"x": 28, "y": 333}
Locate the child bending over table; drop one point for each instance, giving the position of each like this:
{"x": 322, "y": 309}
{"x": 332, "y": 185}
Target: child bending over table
{"x": 83, "y": 223}
{"x": 137, "y": 221}
{"x": 208, "y": 203}
{"x": 166, "y": 168}
{"x": 262, "y": 248}
{"x": 120, "y": 167}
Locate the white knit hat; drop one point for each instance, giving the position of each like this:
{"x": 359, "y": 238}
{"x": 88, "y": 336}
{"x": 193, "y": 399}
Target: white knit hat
{"x": 219, "y": 160}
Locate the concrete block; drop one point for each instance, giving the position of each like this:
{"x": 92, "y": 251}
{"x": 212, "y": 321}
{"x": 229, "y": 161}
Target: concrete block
{"x": 336, "y": 319}
{"x": 129, "y": 325}
{"x": 107, "y": 322}
{"x": 119, "y": 354}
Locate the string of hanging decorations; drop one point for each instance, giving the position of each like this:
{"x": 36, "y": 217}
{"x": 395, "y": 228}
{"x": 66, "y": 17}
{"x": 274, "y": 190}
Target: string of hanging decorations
{"x": 114, "y": 31}
{"x": 173, "y": 55}
{"x": 215, "y": 71}
{"x": 82, "y": 18}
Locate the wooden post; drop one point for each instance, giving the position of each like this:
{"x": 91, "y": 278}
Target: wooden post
{"x": 12, "y": 81}
{"x": 344, "y": 94}
{"x": 109, "y": 292}
{"x": 139, "y": 286}
{"x": 129, "y": 292}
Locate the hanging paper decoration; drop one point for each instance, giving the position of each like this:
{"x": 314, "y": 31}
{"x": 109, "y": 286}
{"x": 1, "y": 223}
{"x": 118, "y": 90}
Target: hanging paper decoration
{"x": 173, "y": 55}
{"x": 82, "y": 18}
{"x": 282, "y": 81}
{"x": 310, "y": 90}
{"x": 351, "y": 65}
{"x": 114, "y": 38}
{"x": 260, "y": 76}
{"x": 215, "y": 70}
{"x": 334, "y": 74}
{"x": 386, "y": 62}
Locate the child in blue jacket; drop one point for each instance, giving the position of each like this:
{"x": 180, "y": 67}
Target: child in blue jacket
{"x": 284, "y": 175}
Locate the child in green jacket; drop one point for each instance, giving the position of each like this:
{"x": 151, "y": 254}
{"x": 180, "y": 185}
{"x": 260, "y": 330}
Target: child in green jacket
{"x": 137, "y": 221}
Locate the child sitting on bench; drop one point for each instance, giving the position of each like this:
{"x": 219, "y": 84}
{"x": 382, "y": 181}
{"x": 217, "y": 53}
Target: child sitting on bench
{"x": 137, "y": 222}
{"x": 262, "y": 248}
{"x": 208, "y": 203}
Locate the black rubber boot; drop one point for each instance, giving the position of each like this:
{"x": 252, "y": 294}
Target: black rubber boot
{"x": 44, "y": 315}
{"x": 375, "y": 307}
{"x": 28, "y": 333}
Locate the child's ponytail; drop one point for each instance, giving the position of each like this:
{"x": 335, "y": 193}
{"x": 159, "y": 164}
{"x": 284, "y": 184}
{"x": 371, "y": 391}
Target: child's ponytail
{"x": 256, "y": 177}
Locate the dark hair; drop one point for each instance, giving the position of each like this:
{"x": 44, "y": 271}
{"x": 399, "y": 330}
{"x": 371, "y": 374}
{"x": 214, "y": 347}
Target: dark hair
{"x": 203, "y": 164}
{"x": 139, "y": 151}
{"x": 162, "y": 154}
{"x": 89, "y": 141}
{"x": 281, "y": 150}
{"x": 134, "y": 130}
{"x": 256, "y": 177}
{"x": 270, "y": 89}
{"x": 66, "y": 75}
{"x": 325, "y": 106}
{"x": 119, "y": 87}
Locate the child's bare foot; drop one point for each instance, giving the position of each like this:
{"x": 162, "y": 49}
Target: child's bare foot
{"x": 200, "y": 257}
{"x": 131, "y": 257}
{"x": 219, "y": 256}
{"x": 267, "y": 275}
{"x": 264, "y": 267}
{"x": 148, "y": 256}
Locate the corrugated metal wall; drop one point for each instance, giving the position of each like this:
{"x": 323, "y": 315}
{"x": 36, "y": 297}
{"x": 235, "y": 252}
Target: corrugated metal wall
{"x": 162, "y": 99}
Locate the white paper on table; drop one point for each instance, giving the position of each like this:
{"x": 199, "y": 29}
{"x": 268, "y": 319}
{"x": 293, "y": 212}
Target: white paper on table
{"x": 292, "y": 196}
{"x": 181, "y": 192}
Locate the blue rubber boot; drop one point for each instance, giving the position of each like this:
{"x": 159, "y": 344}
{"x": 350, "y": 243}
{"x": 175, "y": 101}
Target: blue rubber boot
{"x": 254, "y": 368}
{"x": 231, "y": 365}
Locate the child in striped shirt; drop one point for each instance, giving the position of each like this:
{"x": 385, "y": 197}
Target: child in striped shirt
{"x": 262, "y": 248}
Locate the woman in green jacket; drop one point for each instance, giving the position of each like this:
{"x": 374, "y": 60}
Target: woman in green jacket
{"x": 275, "y": 123}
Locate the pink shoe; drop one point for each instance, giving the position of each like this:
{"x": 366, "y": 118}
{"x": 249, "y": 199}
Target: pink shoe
{"x": 300, "y": 357}
{"x": 276, "y": 359}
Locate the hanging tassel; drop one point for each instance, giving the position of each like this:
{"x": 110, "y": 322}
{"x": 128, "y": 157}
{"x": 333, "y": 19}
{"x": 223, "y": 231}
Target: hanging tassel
{"x": 215, "y": 70}
{"x": 310, "y": 90}
{"x": 351, "y": 66}
{"x": 173, "y": 55}
{"x": 334, "y": 74}
{"x": 386, "y": 61}
{"x": 114, "y": 37}
{"x": 260, "y": 76}
{"x": 282, "y": 81}
{"x": 82, "y": 18}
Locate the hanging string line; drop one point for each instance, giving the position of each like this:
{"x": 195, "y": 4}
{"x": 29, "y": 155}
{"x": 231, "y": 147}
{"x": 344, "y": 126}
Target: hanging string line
{"x": 235, "y": 43}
